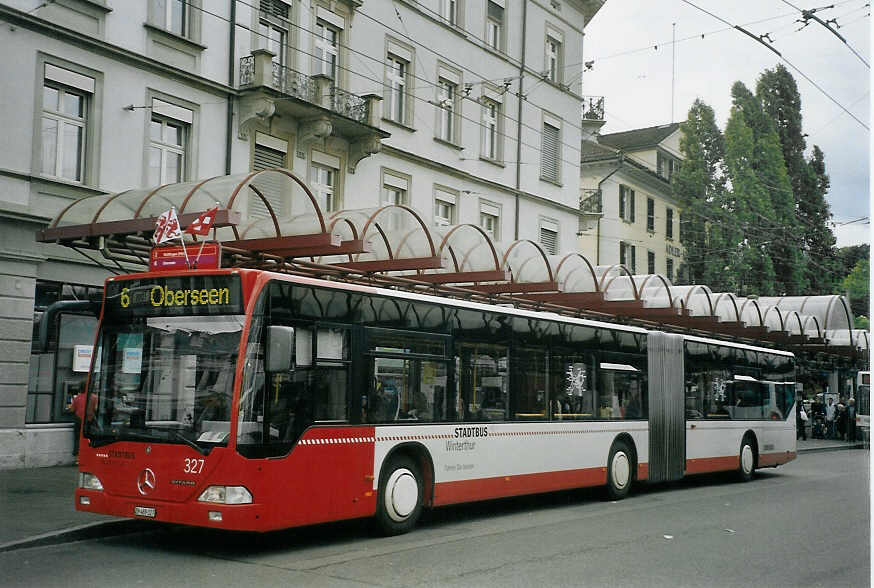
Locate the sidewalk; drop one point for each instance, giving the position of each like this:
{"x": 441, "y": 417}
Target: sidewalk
{"x": 36, "y": 505}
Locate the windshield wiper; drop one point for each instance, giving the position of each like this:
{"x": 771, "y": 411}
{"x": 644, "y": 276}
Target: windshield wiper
{"x": 190, "y": 442}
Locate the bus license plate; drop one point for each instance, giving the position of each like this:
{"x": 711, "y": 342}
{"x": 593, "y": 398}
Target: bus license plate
{"x": 144, "y": 511}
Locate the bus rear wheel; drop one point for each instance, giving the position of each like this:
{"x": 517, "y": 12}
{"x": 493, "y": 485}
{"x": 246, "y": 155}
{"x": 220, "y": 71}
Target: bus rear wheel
{"x": 620, "y": 470}
{"x": 401, "y": 492}
{"x": 747, "y": 466}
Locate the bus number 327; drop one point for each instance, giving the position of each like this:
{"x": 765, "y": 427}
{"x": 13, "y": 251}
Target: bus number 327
{"x": 193, "y": 466}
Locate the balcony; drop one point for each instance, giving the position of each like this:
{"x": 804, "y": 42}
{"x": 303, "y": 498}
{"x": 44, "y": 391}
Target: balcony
{"x": 321, "y": 108}
{"x": 590, "y": 202}
{"x": 593, "y": 108}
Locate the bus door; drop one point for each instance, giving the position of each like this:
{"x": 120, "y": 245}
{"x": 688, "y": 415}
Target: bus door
{"x": 667, "y": 415}
{"x": 408, "y": 375}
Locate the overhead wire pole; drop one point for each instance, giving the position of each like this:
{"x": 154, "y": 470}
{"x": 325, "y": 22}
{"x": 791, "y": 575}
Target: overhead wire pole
{"x": 809, "y": 15}
{"x": 789, "y": 63}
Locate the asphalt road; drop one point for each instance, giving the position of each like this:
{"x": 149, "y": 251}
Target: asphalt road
{"x": 805, "y": 524}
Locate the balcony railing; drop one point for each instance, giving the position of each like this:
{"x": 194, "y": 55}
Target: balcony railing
{"x": 590, "y": 201}
{"x": 293, "y": 83}
{"x": 593, "y": 108}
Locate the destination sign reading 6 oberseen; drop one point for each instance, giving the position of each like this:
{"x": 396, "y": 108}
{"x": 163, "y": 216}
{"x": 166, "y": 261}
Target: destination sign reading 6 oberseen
{"x": 175, "y": 295}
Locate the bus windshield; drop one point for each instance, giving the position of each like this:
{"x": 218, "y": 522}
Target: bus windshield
{"x": 166, "y": 379}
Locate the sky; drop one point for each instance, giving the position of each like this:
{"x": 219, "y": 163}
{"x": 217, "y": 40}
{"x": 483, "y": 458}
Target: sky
{"x": 634, "y": 62}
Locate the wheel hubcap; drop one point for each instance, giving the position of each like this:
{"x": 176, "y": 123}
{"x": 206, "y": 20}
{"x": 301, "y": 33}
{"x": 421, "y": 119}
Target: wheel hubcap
{"x": 746, "y": 459}
{"x": 620, "y": 469}
{"x": 401, "y": 495}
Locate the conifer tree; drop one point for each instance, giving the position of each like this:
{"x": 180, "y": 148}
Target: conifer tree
{"x": 781, "y": 225}
{"x": 699, "y": 186}
{"x": 781, "y": 101}
{"x": 750, "y": 267}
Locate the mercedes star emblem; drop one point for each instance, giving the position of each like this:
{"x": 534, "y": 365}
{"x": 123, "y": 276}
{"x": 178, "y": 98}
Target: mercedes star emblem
{"x": 146, "y": 482}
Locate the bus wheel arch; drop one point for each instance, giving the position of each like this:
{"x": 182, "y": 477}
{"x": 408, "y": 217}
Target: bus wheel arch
{"x": 748, "y": 457}
{"x": 405, "y": 488}
{"x": 621, "y": 466}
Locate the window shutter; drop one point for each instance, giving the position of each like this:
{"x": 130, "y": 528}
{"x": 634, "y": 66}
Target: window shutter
{"x": 266, "y": 158}
{"x": 549, "y": 240}
{"x": 274, "y": 8}
{"x": 549, "y": 160}
{"x": 622, "y": 202}
{"x": 631, "y": 199}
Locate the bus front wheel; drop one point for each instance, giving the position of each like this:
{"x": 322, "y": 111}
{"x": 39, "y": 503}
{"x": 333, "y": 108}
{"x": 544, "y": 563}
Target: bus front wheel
{"x": 747, "y": 466}
{"x": 401, "y": 493}
{"x": 620, "y": 470}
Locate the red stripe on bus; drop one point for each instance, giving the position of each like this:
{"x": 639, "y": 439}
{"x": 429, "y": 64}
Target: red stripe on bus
{"x": 774, "y": 459}
{"x": 712, "y": 464}
{"x": 501, "y": 486}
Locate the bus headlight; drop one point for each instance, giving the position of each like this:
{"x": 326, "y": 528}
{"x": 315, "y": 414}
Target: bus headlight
{"x": 226, "y": 495}
{"x": 89, "y": 481}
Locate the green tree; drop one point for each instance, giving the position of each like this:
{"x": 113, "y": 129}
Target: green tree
{"x": 823, "y": 269}
{"x": 750, "y": 205}
{"x": 776, "y": 225}
{"x": 850, "y": 255}
{"x": 699, "y": 186}
{"x": 781, "y": 100}
{"x": 856, "y": 286}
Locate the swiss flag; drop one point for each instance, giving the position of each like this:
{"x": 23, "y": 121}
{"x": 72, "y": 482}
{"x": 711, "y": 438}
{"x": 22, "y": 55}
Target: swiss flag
{"x": 167, "y": 227}
{"x": 203, "y": 223}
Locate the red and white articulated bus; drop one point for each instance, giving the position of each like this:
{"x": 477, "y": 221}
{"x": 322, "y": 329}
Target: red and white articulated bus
{"x": 250, "y": 400}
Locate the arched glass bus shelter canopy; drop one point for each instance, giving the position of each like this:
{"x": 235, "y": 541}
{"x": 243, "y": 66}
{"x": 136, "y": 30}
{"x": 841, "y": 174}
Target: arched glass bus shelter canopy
{"x": 271, "y": 218}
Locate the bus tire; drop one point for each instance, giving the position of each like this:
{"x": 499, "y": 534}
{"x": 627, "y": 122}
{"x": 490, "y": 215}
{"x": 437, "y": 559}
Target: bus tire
{"x": 747, "y": 463}
{"x": 620, "y": 470}
{"x": 400, "y": 498}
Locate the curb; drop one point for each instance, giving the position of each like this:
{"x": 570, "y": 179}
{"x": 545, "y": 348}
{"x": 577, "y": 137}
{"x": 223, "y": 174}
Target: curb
{"x": 831, "y": 448}
{"x": 79, "y": 533}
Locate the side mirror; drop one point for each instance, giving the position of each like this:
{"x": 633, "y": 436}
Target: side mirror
{"x": 280, "y": 349}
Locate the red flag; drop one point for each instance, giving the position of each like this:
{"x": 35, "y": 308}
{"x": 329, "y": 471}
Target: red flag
{"x": 203, "y": 223}
{"x": 167, "y": 227}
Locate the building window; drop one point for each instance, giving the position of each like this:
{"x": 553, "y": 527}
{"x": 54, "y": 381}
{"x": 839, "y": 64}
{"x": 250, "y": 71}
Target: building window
{"x": 166, "y": 151}
{"x": 665, "y": 166}
{"x": 66, "y": 107}
{"x": 64, "y": 121}
{"x": 489, "y": 220}
{"x": 327, "y": 39}
{"x": 270, "y": 152}
{"x": 553, "y": 57}
{"x": 450, "y": 11}
{"x": 669, "y": 223}
{"x": 627, "y": 256}
{"x": 395, "y": 188}
{"x": 549, "y": 236}
{"x": 273, "y": 23}
{"x": 494, "y": 25}
{"x": 444, "y": 207}
{"x": 626, "y": 203}
{"x": 446, "y": 103}
{"x": 169, "y": 132}
{"x": 397, "y": 70}
{"x": 650, "y": 215}
{"x": 550, "y": 156}
{"x": 491, "y": 121}
{"x": 173, "y": 16}
{"x": 669, "y": 268}
{"x": 325, "y": 180}
{"x": 650, "y": 262}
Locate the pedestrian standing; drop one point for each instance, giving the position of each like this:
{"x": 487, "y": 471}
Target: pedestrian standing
{"x": 801, "y": 419}
{"x": 830, "y": 414}
{"x": 851, "y": 420}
